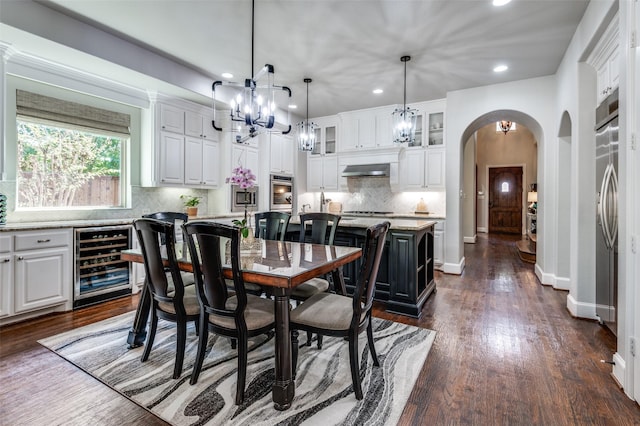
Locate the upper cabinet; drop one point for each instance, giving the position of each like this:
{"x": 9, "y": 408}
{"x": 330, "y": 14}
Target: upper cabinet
{"x": 605, "y": 59}
{"x": 281, "y": 154}
{"x": 366, "y": 129}
{"x": 423, "y": 163}
{"x": 179, "y": 146}
{"x": 326, "y": 136}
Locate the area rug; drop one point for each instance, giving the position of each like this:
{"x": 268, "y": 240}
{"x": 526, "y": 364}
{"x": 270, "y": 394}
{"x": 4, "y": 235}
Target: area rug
{"x": 324, "y": 393}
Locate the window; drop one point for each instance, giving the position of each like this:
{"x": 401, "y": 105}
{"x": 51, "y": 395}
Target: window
{"x": 69, "y": 155}
{"x": 504, "y": 187}
{"x": 513, "y": 127}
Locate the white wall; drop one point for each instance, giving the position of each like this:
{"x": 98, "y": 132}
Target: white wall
{"x": 469, "y": 226}
{"x": 529, "y": 102}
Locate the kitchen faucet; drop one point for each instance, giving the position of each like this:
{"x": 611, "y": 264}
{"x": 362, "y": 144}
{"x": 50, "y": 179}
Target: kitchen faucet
{"x": 323, "y": 201}
{"x": 304, "y": 207}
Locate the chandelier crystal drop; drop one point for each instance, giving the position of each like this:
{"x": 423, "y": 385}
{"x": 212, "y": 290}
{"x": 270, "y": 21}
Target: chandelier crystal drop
{"x": 306, "y": 130}
{"x": 404, "y": 120}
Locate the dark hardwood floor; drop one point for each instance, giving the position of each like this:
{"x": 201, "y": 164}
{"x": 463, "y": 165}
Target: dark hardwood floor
{"x": 507, "y": 352}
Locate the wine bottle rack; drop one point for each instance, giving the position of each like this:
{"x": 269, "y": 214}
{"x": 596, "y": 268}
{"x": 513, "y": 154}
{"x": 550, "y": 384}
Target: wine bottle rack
{"x": 99, "y": 269}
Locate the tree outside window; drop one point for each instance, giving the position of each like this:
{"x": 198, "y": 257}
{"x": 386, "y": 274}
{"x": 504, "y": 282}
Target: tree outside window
{"x": 62, "y": 167}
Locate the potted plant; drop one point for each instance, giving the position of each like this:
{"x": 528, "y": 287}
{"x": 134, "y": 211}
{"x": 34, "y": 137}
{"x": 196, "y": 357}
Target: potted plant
{"x": 191, "y": 203}
{"x": 245, "y": 179}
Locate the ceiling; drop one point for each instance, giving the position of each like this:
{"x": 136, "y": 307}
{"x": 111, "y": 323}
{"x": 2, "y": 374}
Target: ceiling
{"x": 348, "y": 47}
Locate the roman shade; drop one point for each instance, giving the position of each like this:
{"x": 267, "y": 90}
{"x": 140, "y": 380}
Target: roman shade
{"x": 42, "y": 107}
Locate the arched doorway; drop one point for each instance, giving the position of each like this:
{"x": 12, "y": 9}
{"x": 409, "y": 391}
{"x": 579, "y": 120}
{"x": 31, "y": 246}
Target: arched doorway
{"x": 514, "y": 150}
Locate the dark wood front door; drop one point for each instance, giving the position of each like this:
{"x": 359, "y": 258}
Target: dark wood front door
{"x": 505, "y": 200}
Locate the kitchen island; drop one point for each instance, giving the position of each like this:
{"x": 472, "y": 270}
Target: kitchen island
{"x": 405, "y": 277}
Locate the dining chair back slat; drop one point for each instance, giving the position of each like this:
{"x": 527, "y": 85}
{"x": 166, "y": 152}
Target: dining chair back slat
{"x": 319, "y": 223}
{"x": 271, "y": 225}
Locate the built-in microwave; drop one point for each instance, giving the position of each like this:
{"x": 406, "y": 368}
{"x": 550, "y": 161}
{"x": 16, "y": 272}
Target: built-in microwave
{"x": 281, "y": 197}
{"x": 241, "y": 198}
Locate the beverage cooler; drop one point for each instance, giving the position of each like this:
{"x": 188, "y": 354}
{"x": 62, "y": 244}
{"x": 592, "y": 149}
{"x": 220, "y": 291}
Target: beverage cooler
{"x": 100, "y": 274}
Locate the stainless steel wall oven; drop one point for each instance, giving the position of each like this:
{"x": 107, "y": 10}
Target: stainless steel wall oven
{"x": 281, "y": 194}
{"x": 99, "y": 273}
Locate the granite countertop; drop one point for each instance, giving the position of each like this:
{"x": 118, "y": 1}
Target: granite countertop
{"x": 86, "y": 223}
{"x": 398, "y": 221}
{"x": 365, "y": 222}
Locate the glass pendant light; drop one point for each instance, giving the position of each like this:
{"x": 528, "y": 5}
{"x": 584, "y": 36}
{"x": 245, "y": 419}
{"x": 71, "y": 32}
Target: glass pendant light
{"x": 306, "y": 130}
{"x": 404, "y": 120}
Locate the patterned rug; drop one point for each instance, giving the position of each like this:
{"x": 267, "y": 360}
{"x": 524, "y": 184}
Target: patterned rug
{"x": 324, "y": 393}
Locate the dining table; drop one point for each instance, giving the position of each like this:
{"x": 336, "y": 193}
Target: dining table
{"x": 279, "y": 265}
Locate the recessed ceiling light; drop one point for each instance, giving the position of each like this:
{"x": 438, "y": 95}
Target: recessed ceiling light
{"x": 293, "y": 106}
{"x": 500, "y": 68}
{"x": 377, "y": 91}
{"x": 500, "y": 2}
{"x": 227, "y": 75}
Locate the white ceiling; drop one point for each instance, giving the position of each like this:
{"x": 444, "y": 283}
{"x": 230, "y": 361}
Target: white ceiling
{"x": 348, "y": 47}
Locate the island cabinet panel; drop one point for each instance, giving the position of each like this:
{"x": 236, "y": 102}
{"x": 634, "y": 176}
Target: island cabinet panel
{"x": 405, "y": 276}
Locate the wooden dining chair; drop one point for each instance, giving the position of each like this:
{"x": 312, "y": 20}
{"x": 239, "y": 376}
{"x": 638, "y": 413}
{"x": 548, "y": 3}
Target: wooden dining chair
{"x": 332, "y": 314}
{"x": 173, "y": 217}
{"x": 236, "y": 314}
{"x": 171, "y": 300}
{"x": 271, "y": 225}
{"x": 322, "y": 230}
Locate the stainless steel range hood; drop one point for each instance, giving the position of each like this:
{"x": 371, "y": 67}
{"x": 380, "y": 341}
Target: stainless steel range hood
{"x": 375, "y": 170}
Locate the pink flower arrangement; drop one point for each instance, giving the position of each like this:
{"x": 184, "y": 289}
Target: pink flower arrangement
{"x": 242, "y": 177}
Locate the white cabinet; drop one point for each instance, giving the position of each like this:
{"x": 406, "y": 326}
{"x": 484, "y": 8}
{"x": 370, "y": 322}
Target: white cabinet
{"x": 605, "y": 60}
{"x": 438, "y": 245}
{"x": 171, "y": 119}
{"x": 6, "y": 274}
{"x": 171, "y": 167}
{"x": 201, "y": 162}
{"x": 179, "y": 146}
{"x": 322, "y": 173}
{"x": 281, "y": 154}
{"x": 365, "y": 129}
{"x": 35, "y": 271}
{"x": 424, "y": 169}
{"x": 322, "y": 162}
{"x": 246, "y": 155}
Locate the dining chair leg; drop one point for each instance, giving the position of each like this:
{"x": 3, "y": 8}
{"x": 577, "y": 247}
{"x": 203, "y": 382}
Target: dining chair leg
{"x": 234, "y": 344}
{"x": 294, "y": 352}
{"x": 372, "y": 347}
{"x": 151, "y": 337}
{"x": 202, "y": 348}
{"x": 197, "y": 325}
{"x": 242, "y": 369}
{"x": 309, "y": 338}
{"x": 181, "y": 340}
{"x": 319, "y": 341}
{"x": 353, "y": 361}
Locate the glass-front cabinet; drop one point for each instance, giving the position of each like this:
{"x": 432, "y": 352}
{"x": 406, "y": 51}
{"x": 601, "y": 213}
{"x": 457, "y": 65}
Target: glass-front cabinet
{"x": 322, "y": 162}
{"x": 427, "y": 152}
{"x": 326, "y": 136}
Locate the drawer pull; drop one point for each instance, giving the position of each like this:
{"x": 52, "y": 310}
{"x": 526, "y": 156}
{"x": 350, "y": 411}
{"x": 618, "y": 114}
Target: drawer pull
{"x": 5, "y": 260}
{"x": 44, "y": 241}
{"x": 20, "y": 258}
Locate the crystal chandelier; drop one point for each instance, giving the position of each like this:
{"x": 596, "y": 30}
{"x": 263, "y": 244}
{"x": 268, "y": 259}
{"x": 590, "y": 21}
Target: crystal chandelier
{"x": 404, "y": 120}
{"x": 254, "y": 106}
{"x": 306, "y": 130}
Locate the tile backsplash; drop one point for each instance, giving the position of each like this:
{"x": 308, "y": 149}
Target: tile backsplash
{"x": 374, "y": 194}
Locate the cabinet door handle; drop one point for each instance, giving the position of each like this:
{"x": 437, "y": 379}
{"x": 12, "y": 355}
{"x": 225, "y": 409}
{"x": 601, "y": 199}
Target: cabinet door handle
{"x": 20, "y": 258}
{"x": 5, "y": 260}
{"x": 44, "y": 241}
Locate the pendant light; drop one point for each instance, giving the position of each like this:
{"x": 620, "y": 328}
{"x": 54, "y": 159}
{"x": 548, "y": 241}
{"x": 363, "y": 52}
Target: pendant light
{"x": 505, "y": 126}
{"x": 404, "y": 120}
{"x": 254, "y": 105}
{"x": 306, "y": 130}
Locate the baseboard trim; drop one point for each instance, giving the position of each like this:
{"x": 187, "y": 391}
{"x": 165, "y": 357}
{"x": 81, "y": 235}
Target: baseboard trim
{"x": 562, "y": 283}
{"x": 580, "y": 309}
{"x": 471, "y": 240}
{"x": 454, "y": 268}
{"x": 482, "y": 229}
{"x": 558, "y": 283}
{"x": 619, "y": 369}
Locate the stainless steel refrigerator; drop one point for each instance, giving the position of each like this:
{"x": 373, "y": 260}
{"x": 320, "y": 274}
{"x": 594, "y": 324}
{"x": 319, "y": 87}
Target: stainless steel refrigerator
{"x": 607, "y": 212}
